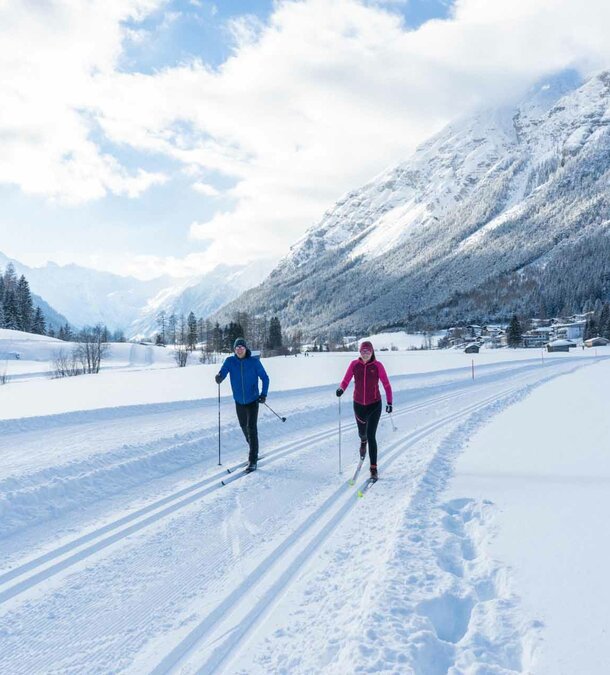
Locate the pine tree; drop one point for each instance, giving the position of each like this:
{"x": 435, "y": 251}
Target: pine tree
{"x": 590, "y": 328}
{"x": 171, "y": 329}
{"x": 217, "y": 337}
{"x": 11, "y": 310}
{"x": 10, "y": 278}
{"x": 162, "y": 323}
{"x": 38, "y": 324}
{"x": 65, "y": 333}
{"x": 25, "y": 306}
{"x": 275, "y": 333}
{"x": 604, "y": 320}
{"x": 191, "y": 336}
{"x": 514, "y": 332}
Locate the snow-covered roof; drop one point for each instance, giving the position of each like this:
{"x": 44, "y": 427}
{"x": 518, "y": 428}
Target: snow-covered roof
{"x": 570, "y": 325}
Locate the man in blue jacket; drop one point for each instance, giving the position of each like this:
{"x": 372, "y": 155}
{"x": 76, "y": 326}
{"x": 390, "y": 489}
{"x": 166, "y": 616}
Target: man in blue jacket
{"x": 245, "y": 371}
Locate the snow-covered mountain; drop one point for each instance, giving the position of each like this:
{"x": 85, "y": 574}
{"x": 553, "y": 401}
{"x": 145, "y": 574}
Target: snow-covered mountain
{"x": 86, "y": 297}
{"x": 203, "y": 295}
{"x": 508, "y": 191}
{"x": 54, "y": 319}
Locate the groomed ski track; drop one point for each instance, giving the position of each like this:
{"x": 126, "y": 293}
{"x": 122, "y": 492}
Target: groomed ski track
{"x": 192, "y": 621}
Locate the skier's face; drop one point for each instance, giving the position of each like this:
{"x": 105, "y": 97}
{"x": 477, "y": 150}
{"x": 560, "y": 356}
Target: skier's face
{"x": 240, "y": 351}
{"x": 365, "y": 354}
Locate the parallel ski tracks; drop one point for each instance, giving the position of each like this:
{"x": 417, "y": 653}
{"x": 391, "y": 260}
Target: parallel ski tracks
{"x": 29, "y": 574}
{"x": 240, "y": 612}
{"x": 231, "y": 622}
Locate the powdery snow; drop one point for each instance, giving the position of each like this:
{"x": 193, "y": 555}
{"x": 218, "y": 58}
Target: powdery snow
{"x": 123, "y": 552}
{"x": 541, "y": 470}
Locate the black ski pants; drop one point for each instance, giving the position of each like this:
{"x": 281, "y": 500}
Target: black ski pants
{"x": 367, "y": 419}
{"x": 248, "y": 416}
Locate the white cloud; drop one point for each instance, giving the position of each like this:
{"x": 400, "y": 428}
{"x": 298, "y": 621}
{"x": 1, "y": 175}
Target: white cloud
{"x": 205, "y": 189}
{"x": 50, "y": 56}
{"x": 312, "y": 104}
{"x": 331, "y": 92}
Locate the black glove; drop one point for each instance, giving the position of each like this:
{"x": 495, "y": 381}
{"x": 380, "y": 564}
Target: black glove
{"x": 339, "y": 392}
{"x": 262, "y": 399}
{"x": 388, "y": 408}
{"x": 218, "y": 378}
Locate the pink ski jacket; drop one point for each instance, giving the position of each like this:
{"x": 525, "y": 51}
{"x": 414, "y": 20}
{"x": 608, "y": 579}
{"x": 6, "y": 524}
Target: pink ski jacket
{"x": 366, "y": 381}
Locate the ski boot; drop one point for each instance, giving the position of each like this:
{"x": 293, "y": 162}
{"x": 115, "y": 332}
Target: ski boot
{"x": 374, "y": 474}
{"x": 363, "y": 449}
{"x": 251, "y": 467}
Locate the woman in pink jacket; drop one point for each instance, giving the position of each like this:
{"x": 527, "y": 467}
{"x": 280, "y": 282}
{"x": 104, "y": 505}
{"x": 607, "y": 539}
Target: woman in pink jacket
{"x": 367, "y": 372}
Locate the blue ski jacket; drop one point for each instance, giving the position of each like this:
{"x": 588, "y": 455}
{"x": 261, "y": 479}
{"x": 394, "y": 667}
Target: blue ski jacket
{"x": 244, "y": 375}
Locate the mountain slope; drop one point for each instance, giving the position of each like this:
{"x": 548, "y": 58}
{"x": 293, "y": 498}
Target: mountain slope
{"x": 203, "y": 295}
{"x": 488, "y": 197}
{"x": 87, "y": 296}
{"x": 53, "y": 318}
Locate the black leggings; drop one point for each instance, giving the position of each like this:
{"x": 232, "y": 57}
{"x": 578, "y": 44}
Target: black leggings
{"x": 367, "y": 419}
{"x": 248, "y": 415}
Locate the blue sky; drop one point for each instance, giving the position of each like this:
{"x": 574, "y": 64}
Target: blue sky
{"x": 169, "y": 136}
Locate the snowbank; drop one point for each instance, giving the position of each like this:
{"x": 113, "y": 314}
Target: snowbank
{"x": 544, "y": 463}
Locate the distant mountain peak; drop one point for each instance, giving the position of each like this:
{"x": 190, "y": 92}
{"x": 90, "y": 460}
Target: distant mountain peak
{"x": 88, "y": 296}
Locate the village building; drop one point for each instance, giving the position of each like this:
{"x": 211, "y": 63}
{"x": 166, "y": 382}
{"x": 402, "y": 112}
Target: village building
{"x": 596, "y": 342}
{"x": 570, "y": 331}
{"x": 560, "y": 345}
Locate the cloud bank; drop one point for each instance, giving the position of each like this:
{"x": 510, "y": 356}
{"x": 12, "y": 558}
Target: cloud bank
{"x": 314, "y": 102}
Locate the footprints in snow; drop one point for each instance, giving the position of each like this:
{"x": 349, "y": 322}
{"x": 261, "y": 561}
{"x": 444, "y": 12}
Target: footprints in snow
{"x": 465, "y": 617}
{"x": 449, "y": 615}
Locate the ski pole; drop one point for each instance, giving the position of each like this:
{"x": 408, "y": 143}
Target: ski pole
{"x": 340, "y": 468}
{"x": 394, "y": 428}
{"x": 273, "y": 411}
{"x": 219, "y": 462}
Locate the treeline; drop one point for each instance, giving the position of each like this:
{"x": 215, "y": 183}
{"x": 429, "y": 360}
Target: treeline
{"x": 574, "y": 280}
{"x": 17, "y": 311}
{"x": 261, "y": 333}
{"x": 68, "y": 334}
{"x": 598, "y": 323}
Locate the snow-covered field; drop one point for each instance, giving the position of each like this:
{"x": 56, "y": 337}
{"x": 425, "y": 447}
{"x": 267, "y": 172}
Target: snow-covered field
{"x": 122, "y": 551}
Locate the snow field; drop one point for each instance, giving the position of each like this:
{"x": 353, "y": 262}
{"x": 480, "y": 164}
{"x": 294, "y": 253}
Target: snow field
{"x": 544, "y": 465}
{"x": 124, "y": 552}
{"x": 376, "y": 589}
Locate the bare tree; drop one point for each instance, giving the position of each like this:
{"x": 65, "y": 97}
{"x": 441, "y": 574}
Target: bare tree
{"x": 92, "y": 348}
{"x": 181, "y": 354}
{"x": 181, "y": 343}
{"x": 66, "y": 364}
